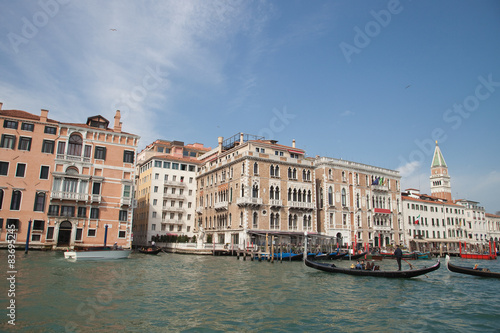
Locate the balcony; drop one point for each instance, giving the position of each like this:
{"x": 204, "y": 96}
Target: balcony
{"x": 249, "y": 201}
{"x": 171, "y": 221}
{"x": 73, "y": 158}
{"x": 173, "y": 196}
{"x": 174, "y": 209}
{"x": 199, "y": 210}
{"x": 275, "y": 203}
{"x": 301, "y": 205}
{"x": 222, "y": 205}
{"x": 69, "y": 196}
{"x": 125, "y": 201}
{"x": 383, "y": 188}
{"x": 174, "y": 183}
{"x": 95, "y": 198}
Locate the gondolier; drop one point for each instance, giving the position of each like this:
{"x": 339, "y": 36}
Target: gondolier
{"x": 398, "y": 254}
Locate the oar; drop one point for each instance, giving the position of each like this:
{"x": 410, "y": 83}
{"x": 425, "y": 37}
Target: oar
{"x": 412, "y": 267}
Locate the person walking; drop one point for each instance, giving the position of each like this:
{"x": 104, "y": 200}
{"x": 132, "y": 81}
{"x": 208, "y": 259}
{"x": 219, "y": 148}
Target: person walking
{"x": 399, "y": 255}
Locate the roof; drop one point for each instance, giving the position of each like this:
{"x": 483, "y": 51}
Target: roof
{"x": 95, "y": 128}
{"x": 278, "y": 146}
{"x": 23, "y": 115}
{"x": 175, "y": 158}
{"x": 438, "y": 159}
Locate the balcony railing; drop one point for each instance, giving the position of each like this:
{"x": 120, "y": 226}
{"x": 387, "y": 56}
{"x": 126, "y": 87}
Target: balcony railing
{"x": 174, "y": 209}
{"x": 249, "y": 201}
{"x": 125, "y": 201}
{"x": 174, "y": 183}
{"x": 275, "y": 203}
{"x": 69, "y": 196}
{"x": 301, "y": 205}
{"x": 173, "y": 196}
{"x": 199, "y": 210}
{"x": 73, "y": 158}
{"x": 222, "y": 205}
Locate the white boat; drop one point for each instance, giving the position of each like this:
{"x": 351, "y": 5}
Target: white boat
{"x": 97, "y": 254}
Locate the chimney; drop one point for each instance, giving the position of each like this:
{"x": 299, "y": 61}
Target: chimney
{"x": 118, "y": 124}
{"x": 293, "y": 143}
{"x": 241, "y": 138}
{"x": 43, "y": 115}
{"x": 1, "y": 104}
{"x": 220, "y": 139}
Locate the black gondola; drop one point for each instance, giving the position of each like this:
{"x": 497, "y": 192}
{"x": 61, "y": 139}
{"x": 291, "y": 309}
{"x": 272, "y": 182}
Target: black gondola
{"x": 333, "y": 256}
{"x": 354, "y": 257}
{"x": 484, "y": 272}
{"x": 376, "y": 273}
{"x": 149, "y": 250}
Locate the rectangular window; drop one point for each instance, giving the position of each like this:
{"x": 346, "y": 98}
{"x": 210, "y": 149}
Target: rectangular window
{"x": 123, "y": 215}
{"x": 126, "y": 191}
{"x": 24, "y": 143}
{"x": 183, "y": 167}
{"x": 128, "y": 156}
{"x": 87, "y": 151}
{"x": 96, "y": 189}
{"x": 48, "y": 147}
{"x": 53, "y": 210}
{"x": 153, "y": 227}
{"x": 94, "y": 213}
{"x": 82, "y": 212}
{"x": 156, "y": 189}
{"x": 28, "y": 127}
{"x": 44, "y": 172}
{"x": 192, "y": 168}
{"x": 79, "y": 232}
{"x": 175, "y": 166}
{"x": 4, "y": 168}
{"x": 39, "y": 202}
{"x": 160, "y": 149}
{"x": 166, "y": 165}
{"x": 13, "y": 223}
{"x": 157, "y": 164}
{"x": 61, "y": 148}
{"x": 155, "y": 202}
{"x": 20, "y": 170}
{"x": 91, "y": 233}
{"x": 10, "y": 124}
{"x": 8, "y": 141}
{"x": 38, "y": 225}
{"x": 100, "y": 153}
{"x": 122, "y": 234}
{"x": 50, "y": 233}
{"x": 68, "y": 211}
{"x": 50, "y": 130}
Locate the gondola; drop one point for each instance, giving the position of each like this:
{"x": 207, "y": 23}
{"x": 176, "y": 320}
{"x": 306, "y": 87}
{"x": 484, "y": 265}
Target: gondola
{"x": 471, "y": 271}
{"x": 376, "y": 273}
{"x": 336, "y": 256}
{"x": 289, "y": 256}
{"x": 355, "y": 256}
{"x": 149, "y": 250}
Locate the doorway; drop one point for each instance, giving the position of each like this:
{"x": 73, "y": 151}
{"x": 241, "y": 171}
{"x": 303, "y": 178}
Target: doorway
{"x": 64, "y": 236}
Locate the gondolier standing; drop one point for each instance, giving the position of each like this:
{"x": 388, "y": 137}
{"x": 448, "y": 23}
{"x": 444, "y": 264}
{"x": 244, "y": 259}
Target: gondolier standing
{"x": 398, "y": 254}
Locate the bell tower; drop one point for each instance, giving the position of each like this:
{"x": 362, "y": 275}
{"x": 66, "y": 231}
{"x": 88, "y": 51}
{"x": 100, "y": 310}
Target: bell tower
{"x": 440, "y": 179}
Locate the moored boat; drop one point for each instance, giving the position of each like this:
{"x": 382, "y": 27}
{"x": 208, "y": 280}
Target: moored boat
{"x": 150, "y": 250}
{"x": 97, "y": 253}
{"x": 331, "y": 268}
{"x": 289, "y": 256}
{"x": 355, "y": 256}
{"x": 476, "y": 271}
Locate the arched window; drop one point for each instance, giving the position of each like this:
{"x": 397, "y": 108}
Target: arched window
{"x": 277, "y": 171}
{"x": 294, "y": 175}
{"x": 277, "y": 193}
{"x": 299, "y": 198}
{"x": 304, "y": 222}
{"x": 256, "y": 168}
{"x": 309, "y": 196}
{"x": 289, "y": 194}
{"x": 290, "y": 173}
{"x": 295, "y": 194}
{"x": 15, "y": 203}
{"x": 255, "y": 191}
{"x": 304, "y": 174}
{"x": 357, "y": 200}
{"x": 308, "y": 174}
{"x": 255, "y": 221}
{"x": 271, "y": 192}
{"x": 330, "y": 196}
{"x": 367, "y": 201}
{"x": 242, "y": 190}
{"x": 344, "y": 199}
{"x": 75, "y": 145}
{"x": 231, "y": 194}
{"x": 290, "y": 222}
{"x": 271, "y": 170}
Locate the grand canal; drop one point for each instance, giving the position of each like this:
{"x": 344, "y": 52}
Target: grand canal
{"x": 172, "y": 293}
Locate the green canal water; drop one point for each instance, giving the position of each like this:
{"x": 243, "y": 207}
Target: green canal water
{"x": 182, "y": 293}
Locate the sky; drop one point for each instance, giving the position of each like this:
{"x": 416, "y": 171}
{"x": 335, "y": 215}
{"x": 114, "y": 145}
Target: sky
{"x": 374, "y": 82}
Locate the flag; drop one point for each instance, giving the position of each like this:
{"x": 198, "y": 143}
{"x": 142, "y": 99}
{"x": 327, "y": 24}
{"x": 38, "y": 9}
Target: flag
{"x": 418, "y": 218}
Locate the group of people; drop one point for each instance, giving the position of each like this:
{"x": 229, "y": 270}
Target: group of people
{"x": 361, "y": 265}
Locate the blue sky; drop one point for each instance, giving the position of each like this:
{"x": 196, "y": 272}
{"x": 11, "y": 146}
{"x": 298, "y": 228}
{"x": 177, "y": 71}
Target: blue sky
{"x": 374, "y": 82}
